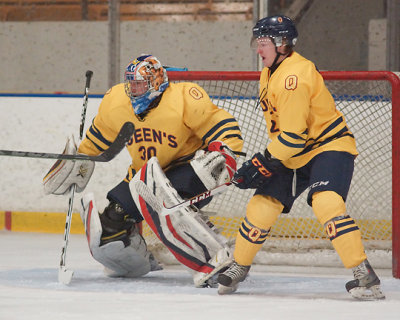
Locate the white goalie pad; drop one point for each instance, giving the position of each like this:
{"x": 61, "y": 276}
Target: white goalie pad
{"x": 119, "y": 261}
{"x": 184, "y": 232}
{"x": 64, "y": 173}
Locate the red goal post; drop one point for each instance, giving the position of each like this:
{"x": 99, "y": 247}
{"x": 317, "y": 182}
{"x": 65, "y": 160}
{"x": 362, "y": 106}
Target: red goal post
{"x": 370, "y": 101}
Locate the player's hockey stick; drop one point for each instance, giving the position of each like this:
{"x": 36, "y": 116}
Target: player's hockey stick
{"x": 123, "y": 137}
{"x": 158, "y": 205}
{"x": 106, "y": 156}
{"x": 64, "y": 274}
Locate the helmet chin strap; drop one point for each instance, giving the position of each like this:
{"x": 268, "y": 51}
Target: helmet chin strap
{"x": 278, "y": 54}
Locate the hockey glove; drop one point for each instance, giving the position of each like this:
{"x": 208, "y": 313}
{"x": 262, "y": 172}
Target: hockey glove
{"x": 214, "y": 168}
{"x": 64, "y": 173}
{"x": 230, "y": 158}
{"x": 256, "y": 171}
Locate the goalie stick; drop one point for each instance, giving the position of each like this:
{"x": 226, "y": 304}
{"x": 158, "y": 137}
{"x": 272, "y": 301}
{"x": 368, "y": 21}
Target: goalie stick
{"x": 65, "y": 275}
{"x": 106, "y": 156}
{"x": 158, "y": 205}
{"x": 123, "y": 137}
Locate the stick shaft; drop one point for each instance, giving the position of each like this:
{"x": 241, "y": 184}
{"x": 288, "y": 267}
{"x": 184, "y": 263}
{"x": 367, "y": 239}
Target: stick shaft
{"x": 68, "y": 220}
{"x": 45, "y": 155}
{"x": 158, "y": 205}
{"x": 123, "y": 137}
{"x": 89, "y": 75}
{"x": 197, "y": 198}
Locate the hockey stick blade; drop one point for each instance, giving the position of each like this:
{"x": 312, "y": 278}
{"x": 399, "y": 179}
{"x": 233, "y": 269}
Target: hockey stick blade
{"x": 65, "y": 275}
{"x": 123, "y": 137}
{"x": 157, "y": 204}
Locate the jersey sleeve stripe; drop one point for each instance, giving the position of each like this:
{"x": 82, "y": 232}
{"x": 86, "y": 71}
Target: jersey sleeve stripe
{"x": 217, "y": 127}
{"x": 221, "y": 132}
{"x": 331, "y": 127}
{"x": 228, "y": 136}
{"x": 342, "y": 133}
{"x": 294, "y": 136}
{"x": 97, "y": 134}
{"x": 95, "y": 144}
{"x": 290, "y": 144}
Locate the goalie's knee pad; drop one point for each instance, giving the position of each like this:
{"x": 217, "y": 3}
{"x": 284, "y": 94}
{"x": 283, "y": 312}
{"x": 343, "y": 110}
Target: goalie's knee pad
{"x": 120, "y": 259}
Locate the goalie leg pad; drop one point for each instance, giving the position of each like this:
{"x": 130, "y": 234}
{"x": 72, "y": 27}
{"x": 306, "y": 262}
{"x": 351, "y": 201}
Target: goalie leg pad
{"x": 184, "y": 232}
{"x": 119, "y": 260}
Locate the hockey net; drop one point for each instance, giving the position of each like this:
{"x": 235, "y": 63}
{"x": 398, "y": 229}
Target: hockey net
{"x": 370, "y": 102}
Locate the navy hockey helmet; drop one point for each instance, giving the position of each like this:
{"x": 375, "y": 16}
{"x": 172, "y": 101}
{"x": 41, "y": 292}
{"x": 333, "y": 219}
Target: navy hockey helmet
{"x": 277, "y": 28}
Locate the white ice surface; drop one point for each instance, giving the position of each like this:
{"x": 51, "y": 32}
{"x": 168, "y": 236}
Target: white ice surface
{"x": 29, "y": 289}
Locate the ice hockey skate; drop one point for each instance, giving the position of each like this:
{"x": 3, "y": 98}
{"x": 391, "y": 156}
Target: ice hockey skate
{"x": 366, "y": 284}
{"x": 229, "y": 280}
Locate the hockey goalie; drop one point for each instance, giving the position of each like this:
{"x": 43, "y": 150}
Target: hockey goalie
{"x": 183, "y": 145}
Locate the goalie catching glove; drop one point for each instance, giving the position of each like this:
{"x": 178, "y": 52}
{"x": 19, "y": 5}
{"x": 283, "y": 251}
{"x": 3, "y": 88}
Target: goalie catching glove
{"x": 215, "y": 166}
{"x": 256, "y": 171}
{"x": 64, "y": 173}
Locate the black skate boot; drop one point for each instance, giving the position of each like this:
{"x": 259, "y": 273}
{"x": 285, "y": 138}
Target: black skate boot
{"x": 116, "y": 224}
{"x": 229, "y": 280}
{"x": 366, "y": 284}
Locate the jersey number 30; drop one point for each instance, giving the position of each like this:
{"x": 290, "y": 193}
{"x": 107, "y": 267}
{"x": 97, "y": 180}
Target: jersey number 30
{"x": 146, "y": 154}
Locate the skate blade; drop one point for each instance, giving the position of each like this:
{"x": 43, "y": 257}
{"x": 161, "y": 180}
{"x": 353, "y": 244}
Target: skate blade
{"x": 363, "y": 293}
{"x": 200, "y": 279}
{"x": 227, "y": 290}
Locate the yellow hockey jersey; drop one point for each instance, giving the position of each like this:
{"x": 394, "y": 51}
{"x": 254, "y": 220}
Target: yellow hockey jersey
{"x": 185, "y": 121}
{"x": 300, "y": 113}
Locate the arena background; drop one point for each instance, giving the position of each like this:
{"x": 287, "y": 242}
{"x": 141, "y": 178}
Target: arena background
{"x": 46, "y": 46}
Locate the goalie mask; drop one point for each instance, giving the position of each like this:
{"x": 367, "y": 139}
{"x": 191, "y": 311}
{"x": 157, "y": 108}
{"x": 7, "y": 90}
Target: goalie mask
{"x": 145, "y": 80}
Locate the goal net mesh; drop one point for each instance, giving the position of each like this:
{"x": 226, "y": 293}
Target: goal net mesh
{"x": 367, "y": 107}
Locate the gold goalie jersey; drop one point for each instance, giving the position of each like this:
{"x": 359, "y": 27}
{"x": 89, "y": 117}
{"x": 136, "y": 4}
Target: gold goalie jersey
{"x": 300, "y": 113}
{"x": 185, "y": 121}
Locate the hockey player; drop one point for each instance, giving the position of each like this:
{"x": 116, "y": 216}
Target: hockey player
{"x": 183, "y": 145}
{"x": 311, "y": 149}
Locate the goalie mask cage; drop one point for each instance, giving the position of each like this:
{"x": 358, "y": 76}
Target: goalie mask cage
{"x": 370, "y": 102}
